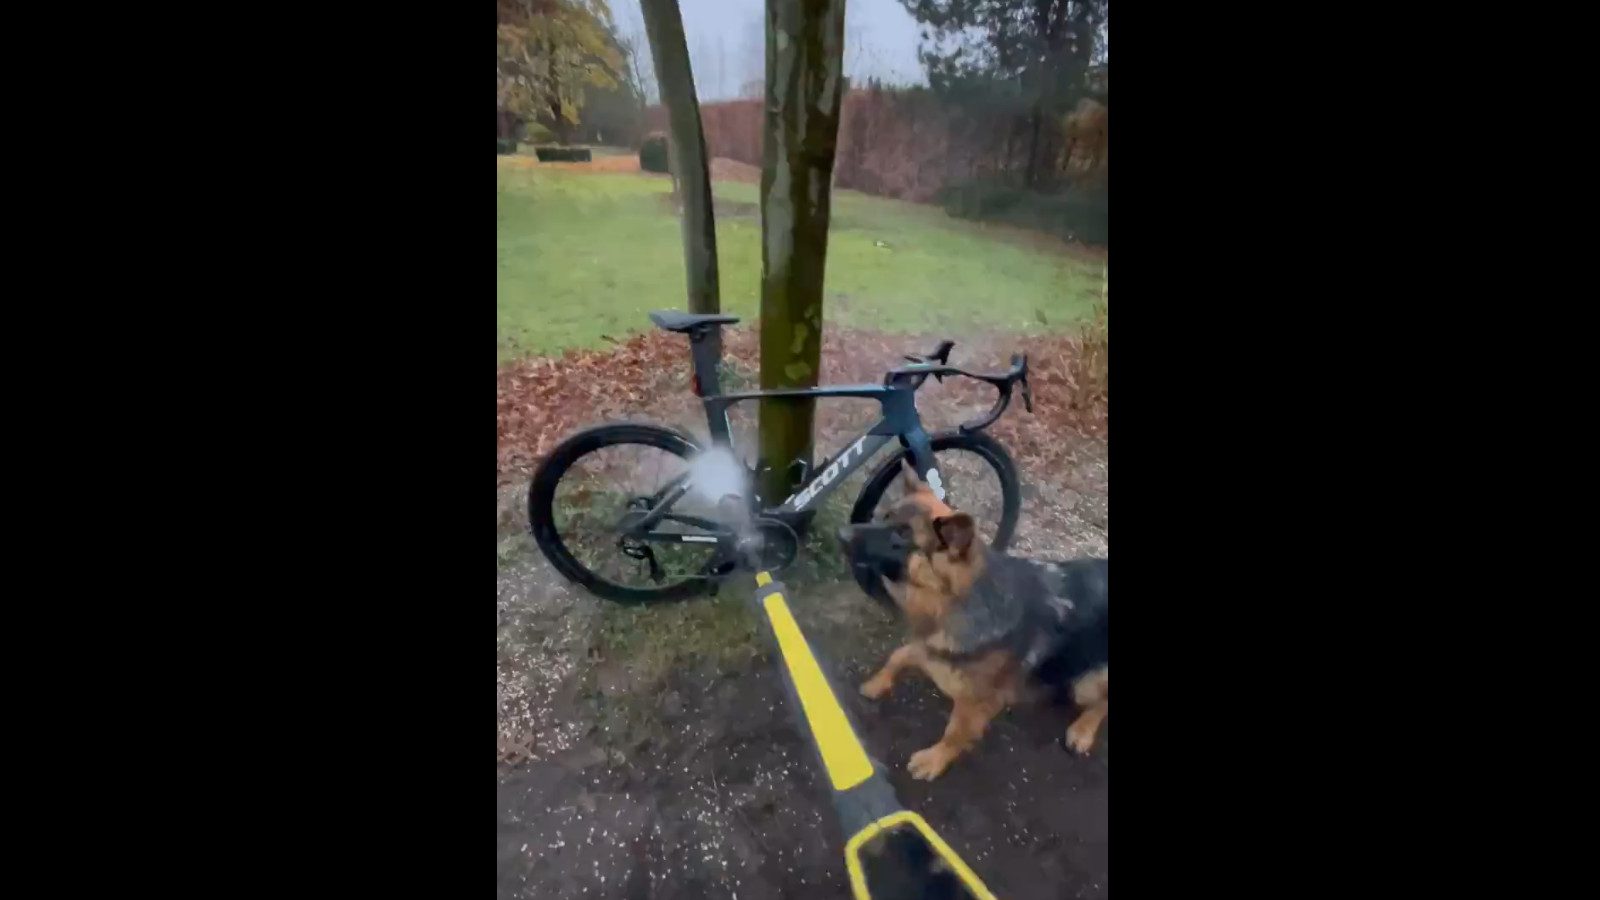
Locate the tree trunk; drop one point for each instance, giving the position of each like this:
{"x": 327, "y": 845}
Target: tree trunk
{"x": 687, "y": 151}
{"x": 1034, "y": 123}
{"x": 558, "y": 122}
{"x": 805, "y": 67}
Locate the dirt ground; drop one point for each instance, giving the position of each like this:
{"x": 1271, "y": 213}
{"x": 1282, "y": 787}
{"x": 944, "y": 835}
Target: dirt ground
{"x": 649, "y": 753}
{"x": 700, "y": 786}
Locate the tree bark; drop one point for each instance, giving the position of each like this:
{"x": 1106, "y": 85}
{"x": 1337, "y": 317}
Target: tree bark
{"x": 687, "y": 151}
{"x": 805, "y": 68}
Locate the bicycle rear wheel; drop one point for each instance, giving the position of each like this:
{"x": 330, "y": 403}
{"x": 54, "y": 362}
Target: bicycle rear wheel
{"x": 584, "y": 488}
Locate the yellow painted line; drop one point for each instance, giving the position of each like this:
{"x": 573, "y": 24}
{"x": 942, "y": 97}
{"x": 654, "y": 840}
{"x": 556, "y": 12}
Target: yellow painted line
{"x": 763, "y": 579}
{"x": 842, "y": 755}
{"x": 858, "y": 878}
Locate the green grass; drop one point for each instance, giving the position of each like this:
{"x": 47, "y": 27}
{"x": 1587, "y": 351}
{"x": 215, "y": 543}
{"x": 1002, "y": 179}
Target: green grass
{"x": 582, "y": 255}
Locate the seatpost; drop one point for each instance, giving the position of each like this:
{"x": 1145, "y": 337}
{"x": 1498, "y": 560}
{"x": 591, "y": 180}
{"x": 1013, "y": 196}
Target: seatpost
{"x": 705, "y": 349}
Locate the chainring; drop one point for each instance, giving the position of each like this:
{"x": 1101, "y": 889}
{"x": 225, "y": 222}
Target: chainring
{"x": 779, "y": 544}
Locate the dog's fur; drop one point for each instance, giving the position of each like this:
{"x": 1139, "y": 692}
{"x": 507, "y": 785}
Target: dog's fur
{"x": 985, "y": 627}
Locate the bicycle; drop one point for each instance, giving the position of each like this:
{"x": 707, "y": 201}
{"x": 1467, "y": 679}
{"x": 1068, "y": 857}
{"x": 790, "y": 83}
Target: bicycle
{"x": 661, "y": 525}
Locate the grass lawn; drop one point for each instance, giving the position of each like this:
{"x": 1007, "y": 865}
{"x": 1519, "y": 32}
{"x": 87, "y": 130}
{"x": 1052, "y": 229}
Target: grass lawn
{"x": 581, "y": 255}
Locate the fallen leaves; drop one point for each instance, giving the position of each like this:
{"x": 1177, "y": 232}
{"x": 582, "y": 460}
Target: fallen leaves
{"x": 541, "y": 400}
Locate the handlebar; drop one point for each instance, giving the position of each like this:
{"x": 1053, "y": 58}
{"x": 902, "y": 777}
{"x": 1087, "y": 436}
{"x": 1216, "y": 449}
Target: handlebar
{"x": 935, "y": 364}
{"x": 940, "y": 354}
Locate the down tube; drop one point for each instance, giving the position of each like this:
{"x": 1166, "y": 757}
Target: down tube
{"x": 837, "y": 471}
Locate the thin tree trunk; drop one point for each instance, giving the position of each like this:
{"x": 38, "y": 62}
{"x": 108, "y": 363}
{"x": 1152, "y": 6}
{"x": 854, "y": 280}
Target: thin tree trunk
{"x": 1033, "y": 146}
{"x": 558, "y": 122}
{"x": 805, "y": 67}
{"x": 687, "y": 143}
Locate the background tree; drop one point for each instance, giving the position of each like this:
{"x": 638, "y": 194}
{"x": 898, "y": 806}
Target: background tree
{"x": 691, "y": 177}
{"x": 637, "y": 69}
{"x": 805, "y": 81}
{"x": 611, "y": 116}
{"x": 548, "y": 54}
{"x": 1030, "y": 56}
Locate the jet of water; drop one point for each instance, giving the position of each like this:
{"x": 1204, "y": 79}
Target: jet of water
{"x": 718, "y": 476}
{"x": 717, "y": 473}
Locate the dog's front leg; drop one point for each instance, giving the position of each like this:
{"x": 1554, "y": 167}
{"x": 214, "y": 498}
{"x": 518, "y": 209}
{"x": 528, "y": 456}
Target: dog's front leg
{"x": 878, "y": 685}
{"x": 1093, "y": 693}
{"x": 968, "y": 720}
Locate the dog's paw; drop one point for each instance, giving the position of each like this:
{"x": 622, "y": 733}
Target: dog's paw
{"x": 1080, "y": 739}
{"x": 875, "y": 688}
{"x": 928, "y": 764}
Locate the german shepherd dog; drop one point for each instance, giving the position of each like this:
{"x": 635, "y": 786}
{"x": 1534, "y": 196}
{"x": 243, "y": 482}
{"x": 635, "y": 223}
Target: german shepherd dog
{"x": 987, "y": 628}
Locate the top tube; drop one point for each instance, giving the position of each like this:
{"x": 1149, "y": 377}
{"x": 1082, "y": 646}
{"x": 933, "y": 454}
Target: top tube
{"x": 828, "y": 390}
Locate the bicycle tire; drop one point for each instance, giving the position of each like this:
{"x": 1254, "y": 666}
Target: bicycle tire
{"x": 992, "y": 452}
{"x": 541, "y": 497}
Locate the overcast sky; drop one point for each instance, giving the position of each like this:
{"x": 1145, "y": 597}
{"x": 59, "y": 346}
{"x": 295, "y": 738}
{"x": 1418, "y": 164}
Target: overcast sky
{"x": 726, "y": 46}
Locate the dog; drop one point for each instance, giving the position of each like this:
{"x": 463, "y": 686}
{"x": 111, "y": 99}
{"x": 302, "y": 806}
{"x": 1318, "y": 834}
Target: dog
{"x": 987, "y": 628}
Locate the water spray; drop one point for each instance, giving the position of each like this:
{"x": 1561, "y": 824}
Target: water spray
{"x": 718, "y": 477}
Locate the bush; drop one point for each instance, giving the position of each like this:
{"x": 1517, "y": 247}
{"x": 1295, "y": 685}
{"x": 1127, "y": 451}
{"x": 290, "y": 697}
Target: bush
{"x": 503, "y": 146}
{"x": 653, "y": 153}
{"x": 562, "y": 154}
{"x": 1072, "y": 213}
{"x": 1088, "y": 374}
{"x": 534, "y": 133}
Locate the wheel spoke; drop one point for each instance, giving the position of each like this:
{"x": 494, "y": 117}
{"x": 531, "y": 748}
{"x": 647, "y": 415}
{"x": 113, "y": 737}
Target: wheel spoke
{"x": 602, "y": 487}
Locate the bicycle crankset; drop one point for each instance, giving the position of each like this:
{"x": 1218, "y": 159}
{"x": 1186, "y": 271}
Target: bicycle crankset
{"x": 770, "y": 544}
{"x": 779, "y": 543}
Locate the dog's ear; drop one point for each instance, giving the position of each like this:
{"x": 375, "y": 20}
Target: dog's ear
{"x": 956, "y": 532}
{"x": 909, "y": 478}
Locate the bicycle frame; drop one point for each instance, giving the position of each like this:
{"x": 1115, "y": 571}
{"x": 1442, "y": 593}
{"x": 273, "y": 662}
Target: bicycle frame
{"x": 900, "y": 419}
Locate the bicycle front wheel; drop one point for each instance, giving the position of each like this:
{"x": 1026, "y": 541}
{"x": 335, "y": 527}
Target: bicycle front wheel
{"x": 978, "y": 476}
{"x": 584, "y": 489}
